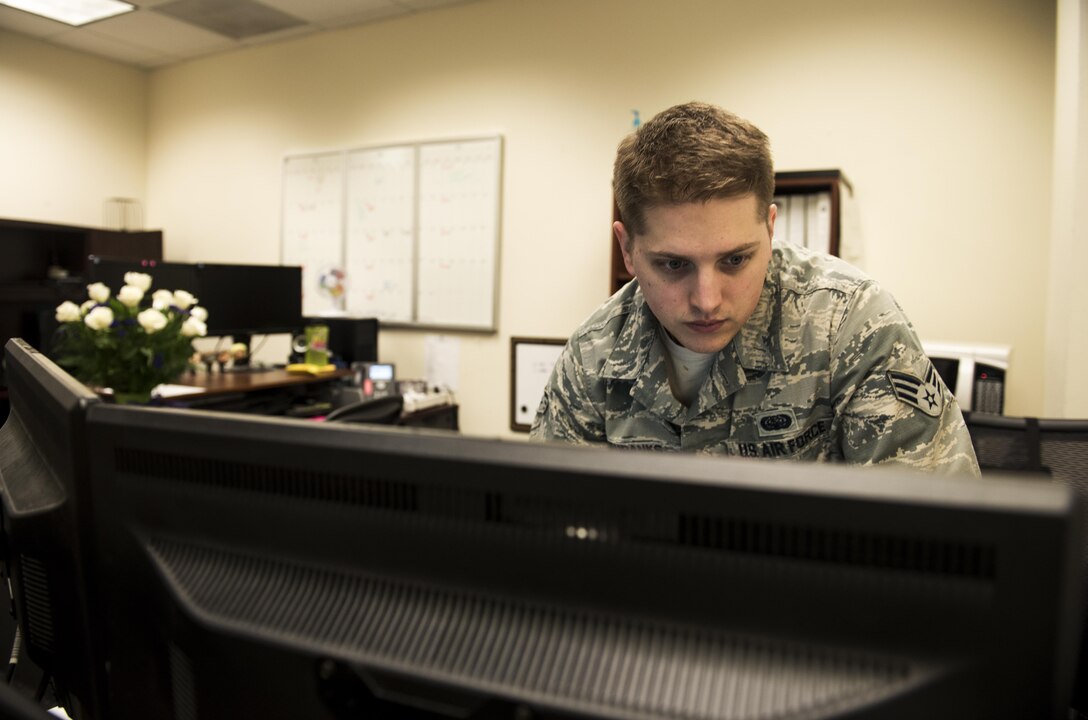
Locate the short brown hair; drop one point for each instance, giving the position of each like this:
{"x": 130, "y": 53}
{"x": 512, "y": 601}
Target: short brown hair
{"x": 690, "y": 153}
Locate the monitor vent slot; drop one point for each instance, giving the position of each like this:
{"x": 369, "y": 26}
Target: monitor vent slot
{"x": 571, "y": 658}
{"x": 936, "y": 557}
{"x": 612, "y": 524}
{"x": 37, "y": 604}
{"x": 272, "y": 480}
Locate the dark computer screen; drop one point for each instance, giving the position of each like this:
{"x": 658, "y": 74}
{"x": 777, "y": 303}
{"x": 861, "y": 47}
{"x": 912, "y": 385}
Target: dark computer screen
{"x": 241, "y": 300}
{"x": 948, "y": 368}
{"x": 46, "y": 522}
{"x": 164, "y": 275}
{"x": 351, "y": 340}
{"x": 251, "y": 299}
{"x": 277, "y": 568}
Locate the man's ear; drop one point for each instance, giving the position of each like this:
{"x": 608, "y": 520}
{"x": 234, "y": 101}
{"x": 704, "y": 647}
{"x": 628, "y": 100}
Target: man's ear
{"x": 772, "y": 215}
{"x": 625, "y": 242}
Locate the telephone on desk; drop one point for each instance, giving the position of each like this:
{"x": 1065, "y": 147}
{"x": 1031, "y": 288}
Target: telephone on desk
{"x": 375, "y": 380}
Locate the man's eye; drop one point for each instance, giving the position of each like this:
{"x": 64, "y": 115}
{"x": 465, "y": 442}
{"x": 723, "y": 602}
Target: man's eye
{"x": 673, "y": 264}
{"x": 736, "y": 261}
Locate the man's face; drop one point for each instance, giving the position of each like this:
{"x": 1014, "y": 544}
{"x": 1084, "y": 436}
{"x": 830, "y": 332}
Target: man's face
{"x": 701, "y": 267}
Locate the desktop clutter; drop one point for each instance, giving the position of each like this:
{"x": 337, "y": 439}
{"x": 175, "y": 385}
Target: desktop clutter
{"x": 371, "y": 393}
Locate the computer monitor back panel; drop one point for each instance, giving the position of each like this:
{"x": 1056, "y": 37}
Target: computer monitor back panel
{"x": 46, "y": 515}
{"x": 291, "y": 569}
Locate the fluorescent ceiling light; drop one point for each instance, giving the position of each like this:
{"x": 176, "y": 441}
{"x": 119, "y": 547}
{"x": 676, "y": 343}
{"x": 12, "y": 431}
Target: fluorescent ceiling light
{"x": 72, "y": 12}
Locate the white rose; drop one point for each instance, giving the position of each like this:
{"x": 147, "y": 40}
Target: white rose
{"x": 86, "y": 307}
{"x": 130, "y": 295}
{"x": 68, "y": 311}
{"x": 98, "y": 292}
{"x": 199, "y": 313}
{"x": 100, "y": 318}
{"x": 193, "y": 328}
{"x": 162, "y": 299}
{"x": 151, "y": 320}
{"x": 183, "y": 299}
{"x": 139, "y": 280}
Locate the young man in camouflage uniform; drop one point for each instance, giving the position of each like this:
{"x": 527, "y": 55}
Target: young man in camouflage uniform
{"x": 729, "y": 342}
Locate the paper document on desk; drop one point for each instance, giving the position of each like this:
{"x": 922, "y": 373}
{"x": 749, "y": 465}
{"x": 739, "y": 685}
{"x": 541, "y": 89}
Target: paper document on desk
{"x": 171, "y": 391}
{"x": 416, "y": 401}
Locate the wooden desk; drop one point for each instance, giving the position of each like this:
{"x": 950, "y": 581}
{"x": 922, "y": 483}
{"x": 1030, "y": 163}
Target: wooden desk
{"x": 253, "y": 381}
{"x": 262, "y": 392}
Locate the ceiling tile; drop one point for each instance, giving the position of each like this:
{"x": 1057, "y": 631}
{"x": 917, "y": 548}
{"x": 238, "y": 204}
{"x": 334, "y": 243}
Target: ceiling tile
{"x": 237, "y": 19}
{"x": 162, "y": 34}
{"x": 321, "y": 11}
{"x": 88, "y": 41}
{"x": 29, "y": 23}
{"x": 149, "y": 37}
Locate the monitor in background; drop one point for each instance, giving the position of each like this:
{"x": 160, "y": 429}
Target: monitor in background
{"x": 164, "y": 275}
{"x": 246, "y": 300}
{"x": 975, "y": 374}
{"x": 351, "y": 340}
{"x": 46, "y": 522}
{"x": 275, "y": 568}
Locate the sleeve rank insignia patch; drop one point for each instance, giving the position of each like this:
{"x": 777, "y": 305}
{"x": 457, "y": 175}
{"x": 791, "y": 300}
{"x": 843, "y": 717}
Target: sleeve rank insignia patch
{"x": 922, "y": 394}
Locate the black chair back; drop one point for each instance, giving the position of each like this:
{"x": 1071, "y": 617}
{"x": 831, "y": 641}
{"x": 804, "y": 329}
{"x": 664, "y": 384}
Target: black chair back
{"x": 1051, "y": 449}
{"x": 383, "y": 411}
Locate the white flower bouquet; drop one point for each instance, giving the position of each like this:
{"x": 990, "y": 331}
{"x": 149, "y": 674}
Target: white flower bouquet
{"x": 125, "y": 344}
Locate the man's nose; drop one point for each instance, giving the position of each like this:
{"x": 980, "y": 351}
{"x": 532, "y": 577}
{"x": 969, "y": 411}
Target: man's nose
{"x": 706, "y": 293}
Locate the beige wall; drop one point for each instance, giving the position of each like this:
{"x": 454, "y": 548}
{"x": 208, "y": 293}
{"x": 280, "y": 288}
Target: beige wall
{"x": 940, "y": 113}
{"x": 72, "y": 133}
{"x": 1067, "y": 340}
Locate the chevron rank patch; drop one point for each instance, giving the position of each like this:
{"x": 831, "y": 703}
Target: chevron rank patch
{"x": 922, "y": 394}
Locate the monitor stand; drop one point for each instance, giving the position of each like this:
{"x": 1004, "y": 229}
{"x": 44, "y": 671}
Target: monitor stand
{"x": 243, "y": 365}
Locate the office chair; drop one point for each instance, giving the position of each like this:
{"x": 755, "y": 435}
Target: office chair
{"x": 1051, "y": 449}
{"x": 383, "y": 410}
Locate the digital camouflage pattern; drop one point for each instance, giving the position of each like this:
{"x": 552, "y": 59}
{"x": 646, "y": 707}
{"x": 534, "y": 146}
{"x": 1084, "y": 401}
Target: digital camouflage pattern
{"x": 827, "y": 368}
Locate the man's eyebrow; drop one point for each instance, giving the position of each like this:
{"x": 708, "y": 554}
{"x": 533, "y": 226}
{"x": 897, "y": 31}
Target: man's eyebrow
{"x": 746, "y": 247}
{"x": 743, "y": 248}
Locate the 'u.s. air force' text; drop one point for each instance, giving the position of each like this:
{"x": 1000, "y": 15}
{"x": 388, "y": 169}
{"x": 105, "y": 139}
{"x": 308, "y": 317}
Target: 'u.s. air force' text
{"x": 782, "y": 448}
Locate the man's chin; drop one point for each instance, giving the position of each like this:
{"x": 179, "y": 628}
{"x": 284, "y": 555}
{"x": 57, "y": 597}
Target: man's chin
{"x": 700, "y": 343}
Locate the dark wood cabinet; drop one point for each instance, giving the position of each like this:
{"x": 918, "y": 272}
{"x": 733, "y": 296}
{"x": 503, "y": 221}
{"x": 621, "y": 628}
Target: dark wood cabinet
{"x": 45, "y": 264}
{"x": 793, "y": 184}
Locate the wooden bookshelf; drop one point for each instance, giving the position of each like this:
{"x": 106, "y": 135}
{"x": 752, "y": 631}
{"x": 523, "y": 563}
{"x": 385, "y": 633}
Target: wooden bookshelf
{"x": 45, "y": 263}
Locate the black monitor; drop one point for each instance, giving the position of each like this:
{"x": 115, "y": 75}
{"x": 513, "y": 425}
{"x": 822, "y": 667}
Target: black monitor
{"x": 351, "y": 340}
{"x": 164, "y": 275}
{"x": 245, "y": 300}
{"x": 280, "y": 568}
{"x": 44, "y": 482}
{"x": 242, "y": 300}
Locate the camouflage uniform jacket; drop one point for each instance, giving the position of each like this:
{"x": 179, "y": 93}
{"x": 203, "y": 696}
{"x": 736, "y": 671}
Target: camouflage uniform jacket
{"x": 827, "y": 368}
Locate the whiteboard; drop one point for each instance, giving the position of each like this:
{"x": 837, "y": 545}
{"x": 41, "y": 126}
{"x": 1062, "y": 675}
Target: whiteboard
{"x": 313, "y": 202}
{"x": 380, "y": 237}
{"x": 458, "y": 232}
{"x": 410, "y": 235}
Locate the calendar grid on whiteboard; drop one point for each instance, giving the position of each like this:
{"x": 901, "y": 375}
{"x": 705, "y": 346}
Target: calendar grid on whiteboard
{"x": 313, "y": 188}
{"x": 418, "y": 229}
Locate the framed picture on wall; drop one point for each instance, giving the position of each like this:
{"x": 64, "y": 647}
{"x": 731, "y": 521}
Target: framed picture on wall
{"x": 531, "y": 363}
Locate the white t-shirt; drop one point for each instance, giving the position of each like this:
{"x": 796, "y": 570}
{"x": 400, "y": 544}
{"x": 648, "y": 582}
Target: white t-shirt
{"x": 687, "y": 369}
